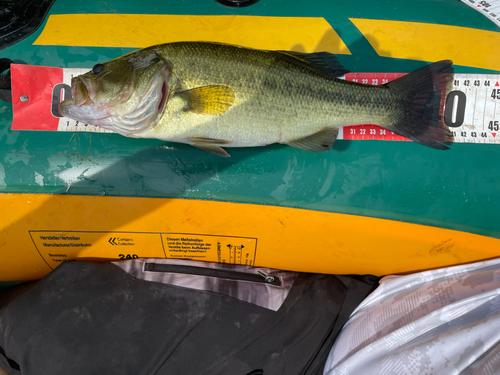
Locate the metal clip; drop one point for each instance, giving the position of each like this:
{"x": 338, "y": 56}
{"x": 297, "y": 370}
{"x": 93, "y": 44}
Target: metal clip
{"x": 268, "y": 279}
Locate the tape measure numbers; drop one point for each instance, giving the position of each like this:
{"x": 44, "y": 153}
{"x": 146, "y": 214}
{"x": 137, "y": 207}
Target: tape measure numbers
{"x": 471, "y": 109}
{"x": 489, "y": 8}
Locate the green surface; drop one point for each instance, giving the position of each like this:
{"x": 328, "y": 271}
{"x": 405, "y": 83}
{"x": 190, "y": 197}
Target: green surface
{"x": 455, "y": 189}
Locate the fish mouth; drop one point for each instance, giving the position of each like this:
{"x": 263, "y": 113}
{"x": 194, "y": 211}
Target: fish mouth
{"x": 82, "y": 95}
{"x": 81, "y": 106}
{"x": 79, "y": 92}
{"x": 120, "y": 115}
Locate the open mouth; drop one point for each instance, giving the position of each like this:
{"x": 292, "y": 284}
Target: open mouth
{"x": 79, "y": 92}
{"x": 129, "y": 112}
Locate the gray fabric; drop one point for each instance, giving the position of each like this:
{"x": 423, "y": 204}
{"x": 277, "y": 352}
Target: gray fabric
{"x": 260, "y": 294}
{"x": 444, "y": 321}
{"x": 94, "y": 318}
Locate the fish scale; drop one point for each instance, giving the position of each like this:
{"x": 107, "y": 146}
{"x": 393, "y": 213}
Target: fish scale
{"x": 276, "y": 95}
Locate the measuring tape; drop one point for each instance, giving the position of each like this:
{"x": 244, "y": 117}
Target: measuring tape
{"x": 472, "y": 108}
{"x": 489, "y": 8}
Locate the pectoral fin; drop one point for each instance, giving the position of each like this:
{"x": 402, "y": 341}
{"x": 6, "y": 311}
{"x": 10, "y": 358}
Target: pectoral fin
{"x": 210, "y": 145}
{"x": 317, "y": 142}
{"x": 208, "y": 100}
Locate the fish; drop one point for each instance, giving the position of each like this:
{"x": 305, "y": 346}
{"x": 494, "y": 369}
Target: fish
{"x": 215, "y": 96}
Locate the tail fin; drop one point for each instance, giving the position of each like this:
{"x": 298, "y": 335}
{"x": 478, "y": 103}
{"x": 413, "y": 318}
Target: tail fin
{"x": 421, "y": 93}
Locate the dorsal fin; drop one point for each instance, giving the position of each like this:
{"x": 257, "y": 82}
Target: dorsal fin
{"x": 322, "y": 62}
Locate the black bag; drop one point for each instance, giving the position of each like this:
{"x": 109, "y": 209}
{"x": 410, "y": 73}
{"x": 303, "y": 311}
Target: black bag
{"x": 163, "y": 316}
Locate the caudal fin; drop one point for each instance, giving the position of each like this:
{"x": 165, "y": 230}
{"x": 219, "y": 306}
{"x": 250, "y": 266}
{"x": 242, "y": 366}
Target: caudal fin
{"x": 421, "y": 93}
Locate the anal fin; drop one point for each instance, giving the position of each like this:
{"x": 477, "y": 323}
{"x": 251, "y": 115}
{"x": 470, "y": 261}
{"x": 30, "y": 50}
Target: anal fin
{"x": 317, "y": 142}
{"x": 211, "y": 145}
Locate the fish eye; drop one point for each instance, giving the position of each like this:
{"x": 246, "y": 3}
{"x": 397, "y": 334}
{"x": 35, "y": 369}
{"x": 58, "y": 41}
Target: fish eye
{"x": 97, "y": 68}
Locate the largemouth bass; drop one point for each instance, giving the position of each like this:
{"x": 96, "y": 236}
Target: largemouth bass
{"x": 212, "y": 95}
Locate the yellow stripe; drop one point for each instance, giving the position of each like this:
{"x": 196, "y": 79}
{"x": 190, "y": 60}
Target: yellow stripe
{"x": 40, "y": 231}
{"x": 303, "y": 34}
{"x": 430, "y": 42}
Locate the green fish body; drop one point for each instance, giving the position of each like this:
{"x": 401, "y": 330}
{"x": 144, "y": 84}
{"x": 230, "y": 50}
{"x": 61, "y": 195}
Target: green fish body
{"x": 213, "y": 95}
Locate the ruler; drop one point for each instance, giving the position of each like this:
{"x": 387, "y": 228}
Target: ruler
{"x": 471, "y": 109}
{"x": 489, "y": 8}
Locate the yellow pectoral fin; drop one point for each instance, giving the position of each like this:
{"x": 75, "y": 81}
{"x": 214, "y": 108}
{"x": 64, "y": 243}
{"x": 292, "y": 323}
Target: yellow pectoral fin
{"x": 208, "y": 100}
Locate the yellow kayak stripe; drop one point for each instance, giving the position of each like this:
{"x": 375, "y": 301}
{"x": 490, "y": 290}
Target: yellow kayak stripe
{"x": 431, "y": 42}
{"x": 303, "y": 34}
{"x": 40, "y": 231}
